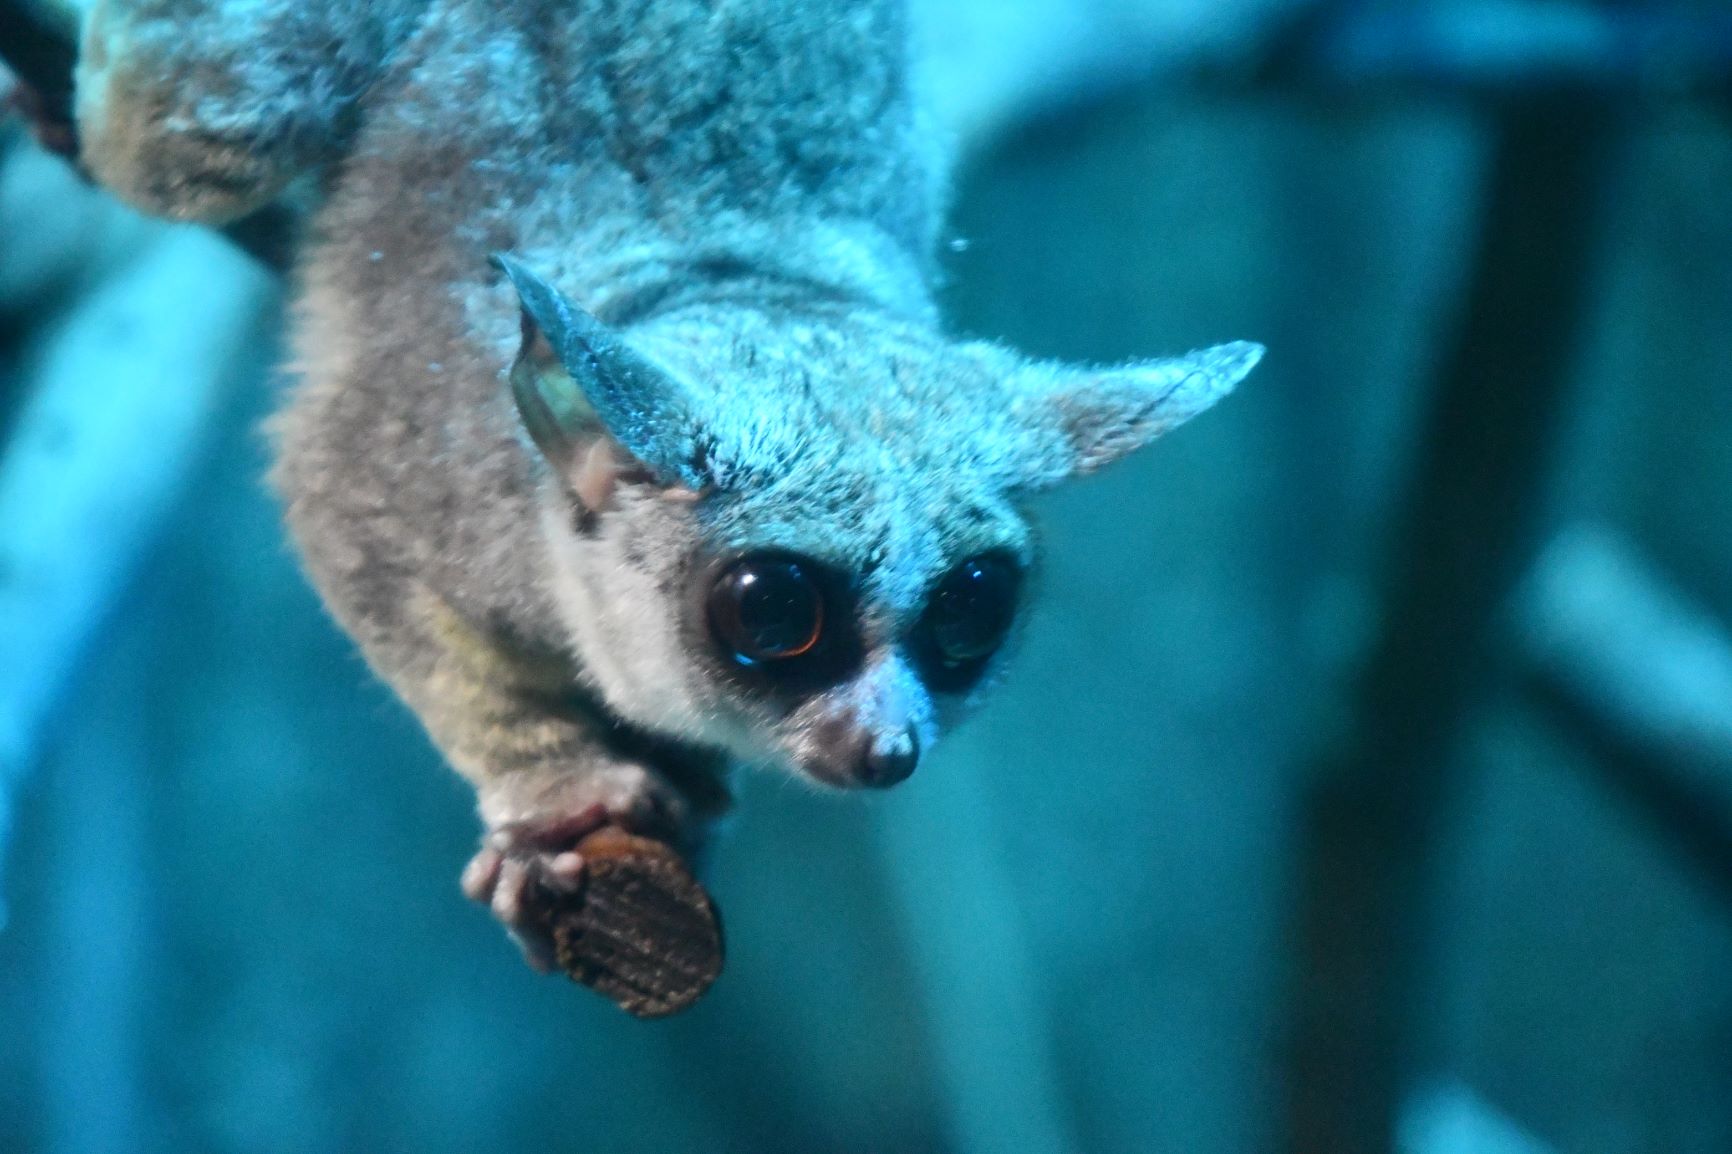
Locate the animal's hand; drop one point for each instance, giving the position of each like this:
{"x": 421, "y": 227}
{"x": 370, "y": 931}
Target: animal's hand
{"x": 522, "y": 867}
{"x": 618, "y": 912}
{"x": 529, "y": 857}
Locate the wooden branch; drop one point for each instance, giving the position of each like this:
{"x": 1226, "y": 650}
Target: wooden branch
{"x": 91, "y": 471}
{"x": 640, "y": 930}
{"x": 1468, "y": 530}
{"x": 1504, "y": 49}
{"x": 1642, "y": 679}
{"x": 1448, "y": 1117}
{"x": 39, "y": 44}
{"x": 1310, "y": 47}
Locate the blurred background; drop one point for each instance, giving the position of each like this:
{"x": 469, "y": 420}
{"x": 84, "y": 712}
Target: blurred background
{"x": 1364, "y": 783}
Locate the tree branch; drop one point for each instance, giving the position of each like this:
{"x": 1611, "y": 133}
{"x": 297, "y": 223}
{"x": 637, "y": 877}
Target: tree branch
{"x": 39, "y": 44}
{"x": 1468, "y": 531}
{"x": 1643, "y": 680}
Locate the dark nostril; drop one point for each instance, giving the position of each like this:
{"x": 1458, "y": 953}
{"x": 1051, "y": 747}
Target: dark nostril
{"x": 891, "y": 760}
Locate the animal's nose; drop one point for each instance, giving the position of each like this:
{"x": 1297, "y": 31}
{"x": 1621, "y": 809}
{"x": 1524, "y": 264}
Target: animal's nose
{"x": 890, "y": 760}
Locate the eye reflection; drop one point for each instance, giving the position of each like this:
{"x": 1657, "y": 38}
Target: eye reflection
{"x": 766, "y": 609}
{"x": 971, "y": 610}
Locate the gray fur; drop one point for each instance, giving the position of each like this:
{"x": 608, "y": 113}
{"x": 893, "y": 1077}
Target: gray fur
{"x": 740, "y": 194}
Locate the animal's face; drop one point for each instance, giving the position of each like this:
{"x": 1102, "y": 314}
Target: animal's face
{"x": 799, "y": 537}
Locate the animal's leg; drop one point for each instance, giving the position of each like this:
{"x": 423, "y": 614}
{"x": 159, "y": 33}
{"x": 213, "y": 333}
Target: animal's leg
{"x": 206, "y": 109}
{"x": 548, "y": 771}
{"x": 548, "y": 767}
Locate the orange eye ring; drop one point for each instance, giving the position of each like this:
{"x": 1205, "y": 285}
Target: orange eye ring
{"x": 811, "y": 641}
{"x": 766, "y": 609}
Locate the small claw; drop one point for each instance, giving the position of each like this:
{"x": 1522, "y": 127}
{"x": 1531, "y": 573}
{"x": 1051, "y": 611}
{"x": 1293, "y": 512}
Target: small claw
{"x": 648, "y": 816}
{"x": 522, "y": 864}
{"x": 510, "y": 906}
{"x": 481, "y": 875}
{"x": 565, "y": 872}
{"x": 509, "y": 893}
{"x": 537, "y": 950}
{"x": 515, "y": 881}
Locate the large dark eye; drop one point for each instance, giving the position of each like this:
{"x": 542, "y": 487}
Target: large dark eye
{"x": 766, "y": 609}
{"x": 971, "y": 609}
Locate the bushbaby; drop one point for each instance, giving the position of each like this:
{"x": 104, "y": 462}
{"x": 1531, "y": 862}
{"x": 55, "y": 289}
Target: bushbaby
{"x": 626, "y": 441}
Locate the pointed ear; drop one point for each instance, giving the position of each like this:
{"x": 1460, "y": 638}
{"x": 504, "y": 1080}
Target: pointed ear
{"x": 575, "y": 379}
{"x": 1081, "y": 419}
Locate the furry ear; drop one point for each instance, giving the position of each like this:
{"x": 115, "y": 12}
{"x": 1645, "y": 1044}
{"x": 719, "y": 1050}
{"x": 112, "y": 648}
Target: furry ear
{"x": 1082, "y": 419}
{"x": 575, "y": 379}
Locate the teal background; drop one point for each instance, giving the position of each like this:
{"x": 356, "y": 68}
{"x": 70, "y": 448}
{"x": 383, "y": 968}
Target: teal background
{"x": 233, "y": 917}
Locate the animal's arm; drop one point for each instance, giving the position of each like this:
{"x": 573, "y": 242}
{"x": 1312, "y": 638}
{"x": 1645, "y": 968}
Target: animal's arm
{"x": 548, "y": 767}
{"x": 511, "y": 723}
{"x": 207, "y": 109}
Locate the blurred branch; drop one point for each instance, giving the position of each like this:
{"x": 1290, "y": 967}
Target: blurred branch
{"x": 1508, "y": 48}
{"x": 1497, "y": 49}
{"x": 97, "y": 943}
{"x": 1449, "y": 1118}
{"x": 1467, "y": 530}
{"x": 39, "y": 43}
{"x": 1645, "y": 679}
{"x": 107, "y": 439}
{"x": 988, "y": 66}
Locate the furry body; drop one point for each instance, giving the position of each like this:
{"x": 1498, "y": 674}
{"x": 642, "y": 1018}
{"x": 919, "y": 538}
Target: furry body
{"x": 745, "y": 191}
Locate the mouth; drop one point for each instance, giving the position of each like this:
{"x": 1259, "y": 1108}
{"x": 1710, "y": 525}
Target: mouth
{"x": 829, "y": 776}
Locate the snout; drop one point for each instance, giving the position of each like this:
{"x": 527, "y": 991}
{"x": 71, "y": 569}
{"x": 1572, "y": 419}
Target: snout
{"x": 865, "y": 761}
{"x": 866, "y": 733}
{"x": 887, "y": 762}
